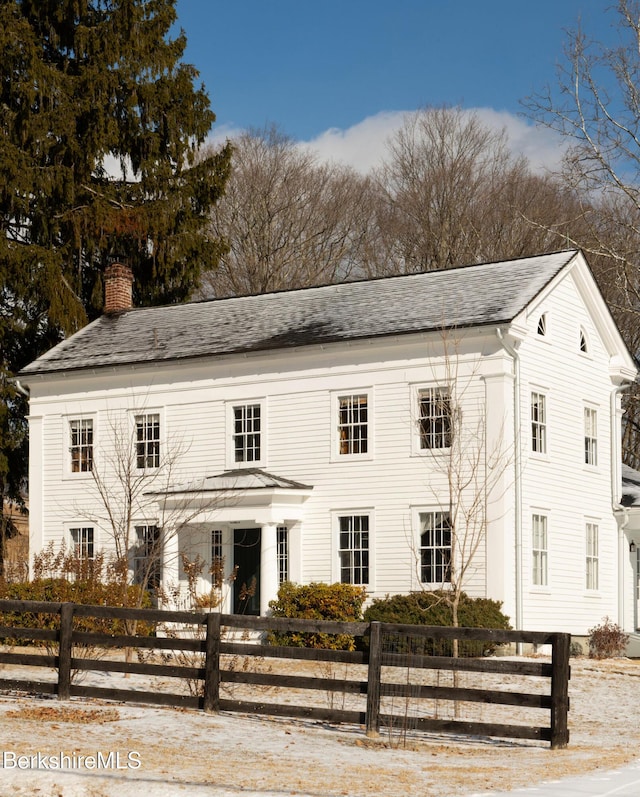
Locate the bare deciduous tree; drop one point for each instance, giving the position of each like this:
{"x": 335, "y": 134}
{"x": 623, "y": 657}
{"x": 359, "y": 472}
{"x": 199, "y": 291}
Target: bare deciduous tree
{"x": 289, "y": 221}
{"x": 451, "y": 192}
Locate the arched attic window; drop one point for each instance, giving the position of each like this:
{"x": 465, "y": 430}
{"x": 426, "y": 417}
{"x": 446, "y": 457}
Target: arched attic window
{"x": 583, "y": 343}
{"x": 542, "y": 325}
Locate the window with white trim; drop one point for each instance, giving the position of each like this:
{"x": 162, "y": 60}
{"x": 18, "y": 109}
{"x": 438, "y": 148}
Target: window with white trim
{"x": 217, "y": 559}
{"x": 592, "y": 557}
{"x": 247, "y": 433}
{"x": 538, "y": 422}
{"x": 435, "y": 548}
{"x": 590, "y": 436}
{"x": 282, "y": 533}
{"x": 353, "y": 549}
{"x": 353, "y": 424}
{"x": 148, "y": 440}
{"x": 147, "y": 558}
{"x": 81, "y": 445}
{"x": 82, "y": 542}
{"x": 539, "y": 550}
{"x": 434, "y": 418}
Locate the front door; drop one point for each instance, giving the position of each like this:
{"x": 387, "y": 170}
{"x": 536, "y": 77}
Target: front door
{"x": 246, "y": 558}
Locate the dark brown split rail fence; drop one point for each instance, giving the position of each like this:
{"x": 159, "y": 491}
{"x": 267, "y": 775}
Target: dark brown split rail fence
{"x": 219, "y": 654}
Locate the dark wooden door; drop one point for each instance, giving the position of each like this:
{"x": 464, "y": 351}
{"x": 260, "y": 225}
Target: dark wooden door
{"x": 246, "y": 557}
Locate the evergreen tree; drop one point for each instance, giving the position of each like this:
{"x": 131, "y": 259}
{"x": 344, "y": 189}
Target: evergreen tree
{"x": 85, "y": 85}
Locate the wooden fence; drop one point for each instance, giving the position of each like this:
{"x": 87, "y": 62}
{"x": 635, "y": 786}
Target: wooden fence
{"x": 204, "y": 650}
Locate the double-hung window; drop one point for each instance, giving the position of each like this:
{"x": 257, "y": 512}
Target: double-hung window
{"x": 435, "y": 548}
{"x": 148, "y": 440}
{"x": 434, "y": 418}
{"x": 147, "y": 560}
{"x": 539, "y": 550}
{"x": 247, "y": 433}
{"x": 592, "y": 558}
{"x": 590, "y": 436}
{"x": 353, "y": 551}
{"x": 82, "y": 541}
{"x": 81, "y": 445}
{"x": 353, "y": 424}
{"x": 538, "y": 423}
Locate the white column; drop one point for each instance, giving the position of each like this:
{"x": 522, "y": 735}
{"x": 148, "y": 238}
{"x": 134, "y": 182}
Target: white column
{"x": 268, "y": 566}
{"x": 170, "y": 569}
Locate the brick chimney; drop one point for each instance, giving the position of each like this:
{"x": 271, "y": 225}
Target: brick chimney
{"x": 118, "y": 280}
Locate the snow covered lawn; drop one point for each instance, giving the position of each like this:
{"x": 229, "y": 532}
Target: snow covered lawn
{"x": 177, "y": 752}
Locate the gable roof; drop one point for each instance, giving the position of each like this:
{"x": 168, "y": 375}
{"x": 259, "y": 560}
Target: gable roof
{"x": 470, "y": 296}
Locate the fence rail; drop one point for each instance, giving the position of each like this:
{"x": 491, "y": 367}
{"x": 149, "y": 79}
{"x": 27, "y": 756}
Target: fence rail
{"x": 200, "y": 648}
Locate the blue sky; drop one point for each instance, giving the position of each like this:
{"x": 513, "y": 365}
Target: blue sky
{"x": 320, "y": 70}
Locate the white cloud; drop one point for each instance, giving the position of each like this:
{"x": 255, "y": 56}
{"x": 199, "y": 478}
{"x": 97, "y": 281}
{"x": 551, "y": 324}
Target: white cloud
{"x": 363, "y": 145}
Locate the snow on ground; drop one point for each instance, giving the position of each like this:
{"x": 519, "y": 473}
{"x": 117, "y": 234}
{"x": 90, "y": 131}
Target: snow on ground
{"x": 180, "y": 752}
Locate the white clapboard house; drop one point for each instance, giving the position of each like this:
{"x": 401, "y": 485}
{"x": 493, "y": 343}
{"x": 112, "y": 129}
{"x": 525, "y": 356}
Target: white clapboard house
{"x": 366, "y": 432}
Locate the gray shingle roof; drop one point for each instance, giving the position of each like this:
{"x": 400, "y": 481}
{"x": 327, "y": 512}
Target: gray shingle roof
{"x": 490, "y": 293}
{"x": 231, "y": 480}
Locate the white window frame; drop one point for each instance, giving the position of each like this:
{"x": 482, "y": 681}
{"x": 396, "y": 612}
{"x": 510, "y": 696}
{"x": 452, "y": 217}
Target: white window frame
{"x": 439, "y": 562}
{"x": 81, "y": 418}
{"x": 283, "y": 554}
{"x": 538, "y": 437}
{"x": 592, "y": 556}
{"x": 540, "y": 549}
{"x": 584, "y": 345}
{"x": 259, "y": 462}
{"x": 590, "y": 436}
{"x": 337, "y": 443}
{"x": 542, "y": 325}
{"x": 78, "y": 543}
{"x": 339, "y": 527}
{"x": 444, "y": 423}
{"x": 145, "y": 414}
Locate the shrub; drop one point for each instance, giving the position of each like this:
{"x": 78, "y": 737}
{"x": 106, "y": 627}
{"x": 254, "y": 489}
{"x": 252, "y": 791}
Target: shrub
{"x": 432, "y": 608}
{"x": 317, "y": 601}
{"x": 607, "y": 640}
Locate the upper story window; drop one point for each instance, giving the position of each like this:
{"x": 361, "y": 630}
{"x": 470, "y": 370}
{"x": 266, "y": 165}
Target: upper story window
{"x": 81, "y": 445}
{"x": 434, "y": 418}
{"x": 82, "y": 542}
{"x": 541, "y": 329}
{"x": 539, "y": 551}
{"x": 538, "y": 423}
{"x": 247, "y": 433}
{"x": 590, "y": 436}
{"x": 435, "y": 548}
{"x": 148, "y": 440}
{"x": 353, "y": 424}
{"x": 353, "y": 549}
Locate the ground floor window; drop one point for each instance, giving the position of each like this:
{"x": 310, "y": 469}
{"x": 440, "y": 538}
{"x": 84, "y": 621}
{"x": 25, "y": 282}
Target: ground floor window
{"x": 147, "y": 559}
{"x": 354, "y": 549}
{"x": 283, "y": 554}
{"x": 592, "y": 556}
{"x": 435, "y": 548}
{"x": 82, "y": 540}
{"x": 539, "y": 550}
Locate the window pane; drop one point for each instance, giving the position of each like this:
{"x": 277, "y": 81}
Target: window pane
{"x": 353, "y": 423}
{"x": 538, "y": 423}
{"x": 246, "y": 439}
{"x": 435, "y": 548}
{"x": 354, "y": 549}
{"x": 81, "y": 438}
{"x": 434, "y": 418}
{"x": 148, "y": 440}
{"x": 539, "y": 553}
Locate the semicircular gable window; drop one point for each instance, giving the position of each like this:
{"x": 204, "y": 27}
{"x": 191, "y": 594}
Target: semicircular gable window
{"x": 584, "y": 344}
{"x": 542, "y": 325}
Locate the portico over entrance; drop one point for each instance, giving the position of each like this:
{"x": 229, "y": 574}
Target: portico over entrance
{"x": 241, "y": 525}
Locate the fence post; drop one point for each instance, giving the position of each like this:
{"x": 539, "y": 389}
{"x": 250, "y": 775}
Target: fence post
{"x": 560, "y": 691}
{"x": 64, "y": 651}
{"x": 372, "y": 720}
{"x": 212, "y": 664}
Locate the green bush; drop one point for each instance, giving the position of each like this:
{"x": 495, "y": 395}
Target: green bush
{"x": 432, "y": 608}
{"x": 317, "y": 601}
